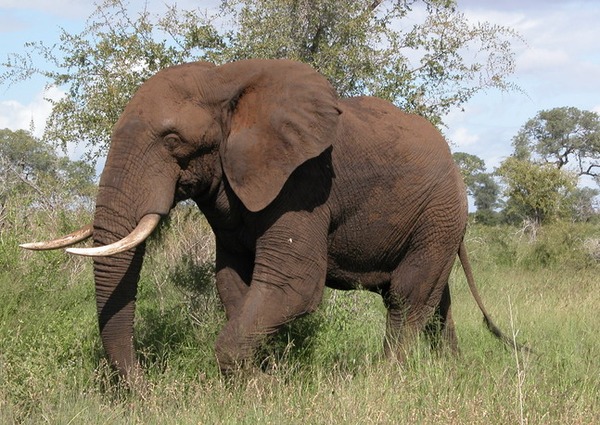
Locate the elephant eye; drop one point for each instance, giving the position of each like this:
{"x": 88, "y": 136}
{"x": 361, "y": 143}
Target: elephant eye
{"x": 172, "y": 140}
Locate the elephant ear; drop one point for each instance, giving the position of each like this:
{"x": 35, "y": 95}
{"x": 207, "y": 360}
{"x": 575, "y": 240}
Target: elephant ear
{"x": 282, "y": 114}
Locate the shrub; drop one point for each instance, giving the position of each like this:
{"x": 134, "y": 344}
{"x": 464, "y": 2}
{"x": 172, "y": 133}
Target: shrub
{"x": 561, "y": 244}
{"x": 592, "y": 248}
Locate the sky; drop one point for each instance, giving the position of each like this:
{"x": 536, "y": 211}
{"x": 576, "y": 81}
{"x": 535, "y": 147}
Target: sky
{"x": 557, "y": 65}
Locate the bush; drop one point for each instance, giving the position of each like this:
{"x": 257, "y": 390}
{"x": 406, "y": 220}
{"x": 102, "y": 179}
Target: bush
{"x": 592, "y": 248}
{"x": 560, "y": 244}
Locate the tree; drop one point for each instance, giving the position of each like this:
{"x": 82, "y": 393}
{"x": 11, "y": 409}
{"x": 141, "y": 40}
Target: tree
{"x": 480, "y": 185}
{"x": 485, "y": 194}
{"x": 471, "y": 166}
{"x": 100, "y": 68}
{"x": 536, "y": 192}
{"x": 584, "y": 203}
{"x": 34, "y": 176}
{"x": 363, "y": 47}
{"x": 565, "y": 137}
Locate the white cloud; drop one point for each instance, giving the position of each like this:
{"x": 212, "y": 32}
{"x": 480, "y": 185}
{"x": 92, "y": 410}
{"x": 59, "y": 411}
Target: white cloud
{"x": 559, "y": 37}
{"x": 511, "y": 4}
{"x": 463, "y": 137}
{"x": 81, "y": 10}
{"x": 557, "y": 65}
{"x": 538, "y": 58}
{"x": 15, "y": 115}
{"x": 71, "y": 9}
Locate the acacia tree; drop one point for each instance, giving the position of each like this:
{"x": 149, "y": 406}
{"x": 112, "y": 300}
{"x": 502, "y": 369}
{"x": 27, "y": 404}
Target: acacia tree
{"x": 565, "y": 140}
{"x": 565, "y": 137}
{"x": 99, "y": 69}
{"x": 363, "y": 47}
{"x": 486, "y": 192}
{"x": 470, "y": 167}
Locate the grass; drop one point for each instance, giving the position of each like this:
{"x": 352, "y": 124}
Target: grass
{"x": 325, "y": 368}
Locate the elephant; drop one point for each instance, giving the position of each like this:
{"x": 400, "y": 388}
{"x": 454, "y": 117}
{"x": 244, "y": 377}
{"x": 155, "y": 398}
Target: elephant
{"x": 302, "y": 189}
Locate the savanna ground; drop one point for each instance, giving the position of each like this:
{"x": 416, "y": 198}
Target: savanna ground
{"x": 325, "y": 368}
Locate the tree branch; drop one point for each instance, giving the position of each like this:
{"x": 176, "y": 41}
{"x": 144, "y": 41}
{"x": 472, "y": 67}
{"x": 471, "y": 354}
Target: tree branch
{"x": 374, "y": 5}
{"x": 589, "y": 172}
{"x": 43, "y": 198}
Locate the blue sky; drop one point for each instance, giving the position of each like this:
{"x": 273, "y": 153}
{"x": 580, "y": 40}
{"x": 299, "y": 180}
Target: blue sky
{"x": 559, "y": 65}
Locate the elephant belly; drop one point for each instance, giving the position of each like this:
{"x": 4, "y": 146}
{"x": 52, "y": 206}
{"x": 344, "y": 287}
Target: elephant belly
{"x": 367, "y": 264}
{"x": 339, "y": 278}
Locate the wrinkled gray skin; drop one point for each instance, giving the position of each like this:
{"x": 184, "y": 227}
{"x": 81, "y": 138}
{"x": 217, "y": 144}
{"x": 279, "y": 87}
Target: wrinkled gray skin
{"x": 301, "y": 189}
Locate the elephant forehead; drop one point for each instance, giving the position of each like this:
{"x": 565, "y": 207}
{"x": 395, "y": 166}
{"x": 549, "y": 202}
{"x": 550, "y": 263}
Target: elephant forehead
{"x": 163, "y": 109}
{"x": 163, "y": 88}
{"x": 183, "y": 117}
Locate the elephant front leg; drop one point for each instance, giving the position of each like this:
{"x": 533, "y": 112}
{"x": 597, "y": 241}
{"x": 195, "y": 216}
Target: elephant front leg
{"x": 233, "y": 276}
{"x": 287, "y": 282}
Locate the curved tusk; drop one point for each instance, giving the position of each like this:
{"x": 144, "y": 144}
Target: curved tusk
{"x": 68, "y": 240}
{"x": 144, "y": 228}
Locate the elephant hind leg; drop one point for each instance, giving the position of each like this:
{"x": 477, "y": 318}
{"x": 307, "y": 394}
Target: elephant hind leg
{"x": 417, "y": 294}
{"x": 440, "y": 329}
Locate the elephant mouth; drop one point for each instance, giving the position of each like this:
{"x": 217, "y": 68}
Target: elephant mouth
{"x": 141, "y": 232}
{"x": 191, "y": 188}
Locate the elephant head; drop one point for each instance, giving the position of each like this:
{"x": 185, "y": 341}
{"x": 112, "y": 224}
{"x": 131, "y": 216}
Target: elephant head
{"x": 187, "y": 131}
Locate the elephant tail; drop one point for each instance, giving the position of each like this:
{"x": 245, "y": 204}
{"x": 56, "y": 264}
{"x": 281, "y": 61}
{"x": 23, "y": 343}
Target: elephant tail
{"x": 466, "y": 265}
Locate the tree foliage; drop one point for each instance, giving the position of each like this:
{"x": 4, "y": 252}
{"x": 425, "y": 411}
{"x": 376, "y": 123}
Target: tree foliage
{"x": 565, "y": 137}
{"x": 367, "y": 47}
{"x": 536, "y": 192}
{"x": 470, "y": 166}
{"x": 585, "y": 204}
{"x": 552, "y": 151}
{"x": 486, "y": 193}
{"x": 480, "y": 185}
{"x": 33, "y": 175}
{"x": 99, "y": 68}
{"x": 423, "y": 55}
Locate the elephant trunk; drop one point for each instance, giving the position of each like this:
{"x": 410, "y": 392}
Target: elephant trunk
{"x": 130, "y": 197}
{"x": 116, "y": 279}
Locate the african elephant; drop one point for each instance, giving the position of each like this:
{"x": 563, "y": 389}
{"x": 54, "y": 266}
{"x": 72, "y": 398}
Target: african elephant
{"x": 302, "y": 190}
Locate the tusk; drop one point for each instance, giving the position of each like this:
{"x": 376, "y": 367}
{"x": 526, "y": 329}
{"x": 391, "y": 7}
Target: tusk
{"x": 144, "y": 228}
{"x": 70, "y": 239}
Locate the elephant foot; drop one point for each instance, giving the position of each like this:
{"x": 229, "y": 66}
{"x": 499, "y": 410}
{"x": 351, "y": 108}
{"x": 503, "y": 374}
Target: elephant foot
{"x": 234, "y": 364}
{"x": 137, "y": 383}
{"x": 250, "y": 378}
{"x": 261, "y": 383}
{"x": 236, "y": 350}
{"x": 133, "y": 382}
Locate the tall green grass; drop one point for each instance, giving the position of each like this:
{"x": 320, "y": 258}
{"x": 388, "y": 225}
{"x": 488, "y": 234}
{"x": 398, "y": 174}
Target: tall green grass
{"x": 324, "y": 368}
